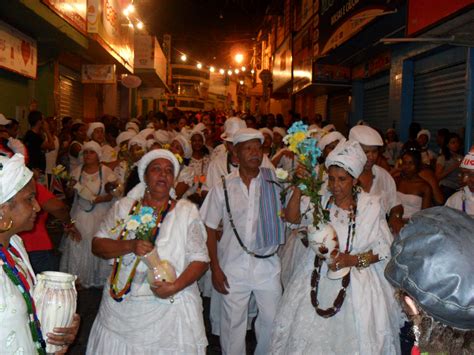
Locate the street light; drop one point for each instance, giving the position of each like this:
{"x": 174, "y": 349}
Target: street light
{"x": 229, "y": 72}
{"x": 241, "y": 82}
{"x": 239, "y": 58}
{"x": 199, "y": 65}
{"x": 252, "y": 71}
{"x": 243, "y": 69}
{"x": 183, "y": 57}
{"x": 140, "y": 25}
{"x": 236, "y": 71}
{"x": 222, "y": 71}
{"x": 212, "y": 69}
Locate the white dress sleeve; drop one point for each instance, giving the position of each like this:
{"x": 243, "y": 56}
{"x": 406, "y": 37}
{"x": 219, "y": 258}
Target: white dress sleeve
{"x": 196, "y": 248}
{"x": 212, "y": 210}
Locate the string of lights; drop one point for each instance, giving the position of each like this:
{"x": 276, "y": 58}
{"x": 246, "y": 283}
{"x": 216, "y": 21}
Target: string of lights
{"x": 229, "y": 71}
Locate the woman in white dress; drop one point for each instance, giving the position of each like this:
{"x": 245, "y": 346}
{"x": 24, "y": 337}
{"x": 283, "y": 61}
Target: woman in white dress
{"x": 359, "y": 314}
{"x": 134, "y": 316}
{"x": 91, "y": 203}
{"x": 19, "y": 331}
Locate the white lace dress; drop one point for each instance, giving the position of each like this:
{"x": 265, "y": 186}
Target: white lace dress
{"x": 368, "y": 322}
{"x": 143, "y": 323}
{"x": 77, "y": 258}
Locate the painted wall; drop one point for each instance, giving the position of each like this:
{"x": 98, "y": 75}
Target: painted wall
{"x": 14, "y": 92}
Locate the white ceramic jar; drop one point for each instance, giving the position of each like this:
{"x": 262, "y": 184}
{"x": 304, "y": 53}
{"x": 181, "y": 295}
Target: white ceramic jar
{"x": 55, "y": 297}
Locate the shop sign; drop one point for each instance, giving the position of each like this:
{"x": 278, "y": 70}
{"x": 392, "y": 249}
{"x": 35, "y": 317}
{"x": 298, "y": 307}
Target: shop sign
{"x": 331, "y": 73}
{"x": 106, "y": 20}
{"x": 339, "y": 20}
{"x": 425, "y": 13}
{"x": 98, "y": 74}
{"x": 282, "y": 65}
{"x": 303, "y": 58}
{"x": 374, "y": 65}
{"x": 18, "y": 53}
{"x": 73, "y": 11}
{"x": 149, "y": 55}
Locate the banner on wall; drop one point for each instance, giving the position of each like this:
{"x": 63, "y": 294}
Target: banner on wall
{"x": 106, "y": 21}
{"x": 425, "y": 13}
{"x": 339, "y": 20}
{"x": 98, "y": 74}
{"x": 73, "y": 11}
{"x": 282, "y": 66}
{"x": 303, "y": 58}
{"x": 18, "y": 52}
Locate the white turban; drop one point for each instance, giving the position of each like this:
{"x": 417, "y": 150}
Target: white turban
{"x": 149, "y": 143}
{"x": 156, "y": 154}
{"x": 247, "y": 134}
{"x": 279, "y": 130}
{"x": 330, "y": 138}
{"x": 146, "y": 132}
{"x": 14, "y": 176}
{"x": 365, "y": 135}
{"x": 266, "y": 130}
{"x": 232, "y": 125}
{"x": 197, "y": 131}
{"x": 468, "y": 161}
{"x": 137, "y": 140}
{"x": 425, "y": 132}
{"x": 132, "y": 126}
{"x": 349, "y": 156}
{"x": 93, "y": 126}
{"x": 184, "y": 142}
{"x": 124, "y": 136}
{"x": 162, "y": 136}
{"x": 94, "y": 146}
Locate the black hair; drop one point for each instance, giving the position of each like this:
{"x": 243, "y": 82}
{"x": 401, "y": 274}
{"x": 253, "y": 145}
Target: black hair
{"x": 34, "y": 117}
{"x": 415, "y": 154}
{"x": 444, "y": 149}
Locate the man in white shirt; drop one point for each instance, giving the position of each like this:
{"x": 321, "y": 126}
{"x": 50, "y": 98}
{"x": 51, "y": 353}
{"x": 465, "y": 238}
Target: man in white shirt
{"x": 376, "y": 180}
{"x": 463, "y": 200}
{"x": 244, "y": 262}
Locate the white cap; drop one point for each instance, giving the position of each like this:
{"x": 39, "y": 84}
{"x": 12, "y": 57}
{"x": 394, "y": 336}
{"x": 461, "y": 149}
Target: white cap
{"x": 3, "y": 120}
{"x": 365, "y": 135}
{"x": 93, "y": 126}
{"x": 247, "y": 134}
{"x": 349, "y": 156}
{"x": 232, "y": 125}
{"x": 266, "y": 130}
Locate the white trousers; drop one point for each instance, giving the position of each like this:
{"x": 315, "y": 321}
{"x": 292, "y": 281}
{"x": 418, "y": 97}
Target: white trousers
{"x": 234, "y": 312}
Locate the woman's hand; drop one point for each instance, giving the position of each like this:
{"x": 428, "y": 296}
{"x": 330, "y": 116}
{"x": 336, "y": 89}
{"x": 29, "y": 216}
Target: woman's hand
{"x": 141, "y": 247}
{"x": 65, "y": 336}
{"x": 163, "y": 289}
{"x": 73, "y": 233}
{"x": 219, "y": 280}
{"x": 343, "y": 260}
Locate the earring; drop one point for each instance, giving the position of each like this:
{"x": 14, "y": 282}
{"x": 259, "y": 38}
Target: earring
{"x": 10, "y": 224}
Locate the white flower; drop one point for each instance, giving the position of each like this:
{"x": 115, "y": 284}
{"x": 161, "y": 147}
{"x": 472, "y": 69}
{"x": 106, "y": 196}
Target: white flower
{"x": 281, "y": 174}
{"x": 147, "y": 218}
{"x": 132, "y": 225}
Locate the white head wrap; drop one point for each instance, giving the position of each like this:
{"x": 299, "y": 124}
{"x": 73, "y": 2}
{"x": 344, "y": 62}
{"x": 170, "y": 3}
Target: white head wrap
{"x": 365, "y": 135}
{"x": 14, "y": 176}
{"x": 468, "y": 161}
{"x": 329, "y": 128}
{"x": 266, "y": 130}
{"x": 162, "y": 136}
{"x": 184, "y": 142}
{"x": 198, "y": 131}
{"x": 329, "y": 138}
{"x": 124, "y": 136}
{"x": 232, "y": 125}
{"x": 93, "y": 126}
{"x": 94, "y": 146}
{"x": 247, "y": 134}
{"x": 132, "y": 126}
{"x": 279, "y": 130}
{"x": 146, "y": 132}
{"x": 200, "y": 127}
{"x": 156, "y": 154}
{"x": 425, "y": 132}
{"x": 137, "y": 140}
{"x": 349, "y": 156}
{"x": 149, "y": 143}
{"x": 186, "y": 131}
{"x": 150, "y": 125}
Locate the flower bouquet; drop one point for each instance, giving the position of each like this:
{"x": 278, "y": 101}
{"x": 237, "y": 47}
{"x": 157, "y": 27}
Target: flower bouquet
{"x": 60, "y": 172}
{"x": 322, "y": 238}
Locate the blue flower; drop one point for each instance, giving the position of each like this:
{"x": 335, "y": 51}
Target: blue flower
{"x": 298, "y": 127}
{"x": 302, "y": 187}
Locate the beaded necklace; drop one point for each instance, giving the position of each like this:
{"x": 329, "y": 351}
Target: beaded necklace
{"x": 119, "y": 294}
{"x": 19, "y": 280}
{"x": 100, "y": 186}
{"x": 318, "y": 262}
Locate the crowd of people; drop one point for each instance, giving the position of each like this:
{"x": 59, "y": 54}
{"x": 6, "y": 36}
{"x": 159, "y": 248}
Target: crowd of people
{"x": 209, "y": 178}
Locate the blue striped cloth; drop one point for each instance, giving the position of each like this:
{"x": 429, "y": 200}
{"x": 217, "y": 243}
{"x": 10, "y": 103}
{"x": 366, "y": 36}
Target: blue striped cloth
{"x": 271, "y": 230}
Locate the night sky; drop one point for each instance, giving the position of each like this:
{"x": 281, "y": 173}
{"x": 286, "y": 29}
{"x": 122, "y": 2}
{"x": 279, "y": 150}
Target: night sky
{"x": 206, "y": 30}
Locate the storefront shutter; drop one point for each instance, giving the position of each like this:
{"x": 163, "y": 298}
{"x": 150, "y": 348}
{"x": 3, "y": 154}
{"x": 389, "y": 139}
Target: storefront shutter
{"x": 376, "y": 99}
{"x": 338, "y": 111}
{"x": 71, "y": 101}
